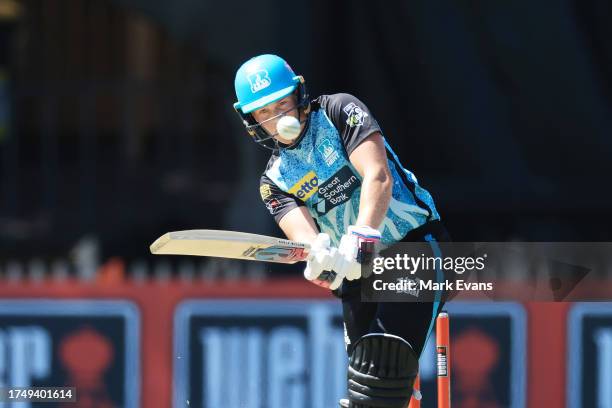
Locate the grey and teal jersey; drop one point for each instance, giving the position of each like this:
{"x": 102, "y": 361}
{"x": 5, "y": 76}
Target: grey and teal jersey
{"x": 316, "y": 172}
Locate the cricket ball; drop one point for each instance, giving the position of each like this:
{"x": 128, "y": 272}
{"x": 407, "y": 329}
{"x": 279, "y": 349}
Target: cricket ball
{"x": 288, "y": 127}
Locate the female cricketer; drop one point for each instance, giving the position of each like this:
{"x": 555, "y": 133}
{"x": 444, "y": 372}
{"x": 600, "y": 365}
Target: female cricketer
{"x": 334, "y": 182}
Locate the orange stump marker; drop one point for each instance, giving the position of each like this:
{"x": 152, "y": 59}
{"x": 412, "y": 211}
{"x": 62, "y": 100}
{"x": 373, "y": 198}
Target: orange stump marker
{"x": 416, "y": 402}
{"x": 443, "y": 366}
{"x": 443, "y": 360}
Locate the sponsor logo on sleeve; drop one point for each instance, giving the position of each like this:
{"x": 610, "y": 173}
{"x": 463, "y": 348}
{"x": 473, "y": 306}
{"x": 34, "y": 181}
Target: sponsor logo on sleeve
{"x": 265, "y": 191}
{"x": 306, "y": 186}
{"x": 355, "y": 114}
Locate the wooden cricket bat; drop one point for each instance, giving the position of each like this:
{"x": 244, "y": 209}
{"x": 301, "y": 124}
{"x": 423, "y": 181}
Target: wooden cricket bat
{"x": 230, "y": 244}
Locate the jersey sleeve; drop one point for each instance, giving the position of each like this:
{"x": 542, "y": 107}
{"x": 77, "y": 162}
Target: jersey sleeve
{"x": 278, "y": 202}
{"x": 351, "y": 117}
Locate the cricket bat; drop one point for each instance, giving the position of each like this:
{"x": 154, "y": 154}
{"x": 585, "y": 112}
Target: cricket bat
{"x": 230, "y": 244}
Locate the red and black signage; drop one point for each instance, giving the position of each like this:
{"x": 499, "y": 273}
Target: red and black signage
{"x": 90, "y": 345}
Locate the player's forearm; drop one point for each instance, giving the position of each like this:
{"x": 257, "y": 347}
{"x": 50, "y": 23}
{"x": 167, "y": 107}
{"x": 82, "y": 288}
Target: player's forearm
{"x": 299, "y": 226}
{"x": 374, "y": 199}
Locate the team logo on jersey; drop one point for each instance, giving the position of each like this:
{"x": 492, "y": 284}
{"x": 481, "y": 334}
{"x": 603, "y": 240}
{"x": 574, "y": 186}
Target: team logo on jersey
{"x": 330, "y": 155}
{"x": 259, "y": 80}
{"x": 265, "y": 191}
{"x": 355, "y": 114}
{"x": 306, "y": 187}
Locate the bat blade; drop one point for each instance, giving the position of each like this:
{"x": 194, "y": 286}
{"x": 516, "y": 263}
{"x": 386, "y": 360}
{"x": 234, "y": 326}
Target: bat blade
{"x": 230, "y": 244}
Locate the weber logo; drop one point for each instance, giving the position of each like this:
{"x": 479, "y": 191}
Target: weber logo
{"x": 442, "y": 361}
{"x": 255, "y": 354}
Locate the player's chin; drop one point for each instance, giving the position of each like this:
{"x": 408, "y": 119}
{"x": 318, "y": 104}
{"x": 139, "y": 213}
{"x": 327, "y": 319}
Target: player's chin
{"x": 284, "y": 142}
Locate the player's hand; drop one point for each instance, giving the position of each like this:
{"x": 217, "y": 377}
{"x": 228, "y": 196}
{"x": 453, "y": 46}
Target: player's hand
{"x": 357, "y": 247}
{"x": 320, "y": 267}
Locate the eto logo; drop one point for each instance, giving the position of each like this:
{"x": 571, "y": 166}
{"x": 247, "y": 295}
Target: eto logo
{"x": 306, "y": 186}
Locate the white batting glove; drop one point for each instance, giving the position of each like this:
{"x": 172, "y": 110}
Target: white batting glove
{"x": 321, "y": 265}
{"x": 356, "y": 247}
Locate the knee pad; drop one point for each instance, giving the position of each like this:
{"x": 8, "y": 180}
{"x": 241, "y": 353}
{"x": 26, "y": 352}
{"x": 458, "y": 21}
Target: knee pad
{"x": 381, "y": 373}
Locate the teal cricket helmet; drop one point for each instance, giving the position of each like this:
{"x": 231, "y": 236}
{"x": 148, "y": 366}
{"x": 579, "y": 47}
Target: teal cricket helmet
{"x": 260, "y": 81}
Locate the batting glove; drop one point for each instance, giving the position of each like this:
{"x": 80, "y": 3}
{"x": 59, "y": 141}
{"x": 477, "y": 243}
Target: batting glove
{"x": 321, "y": 265}
{"x": 357, "y": 247}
